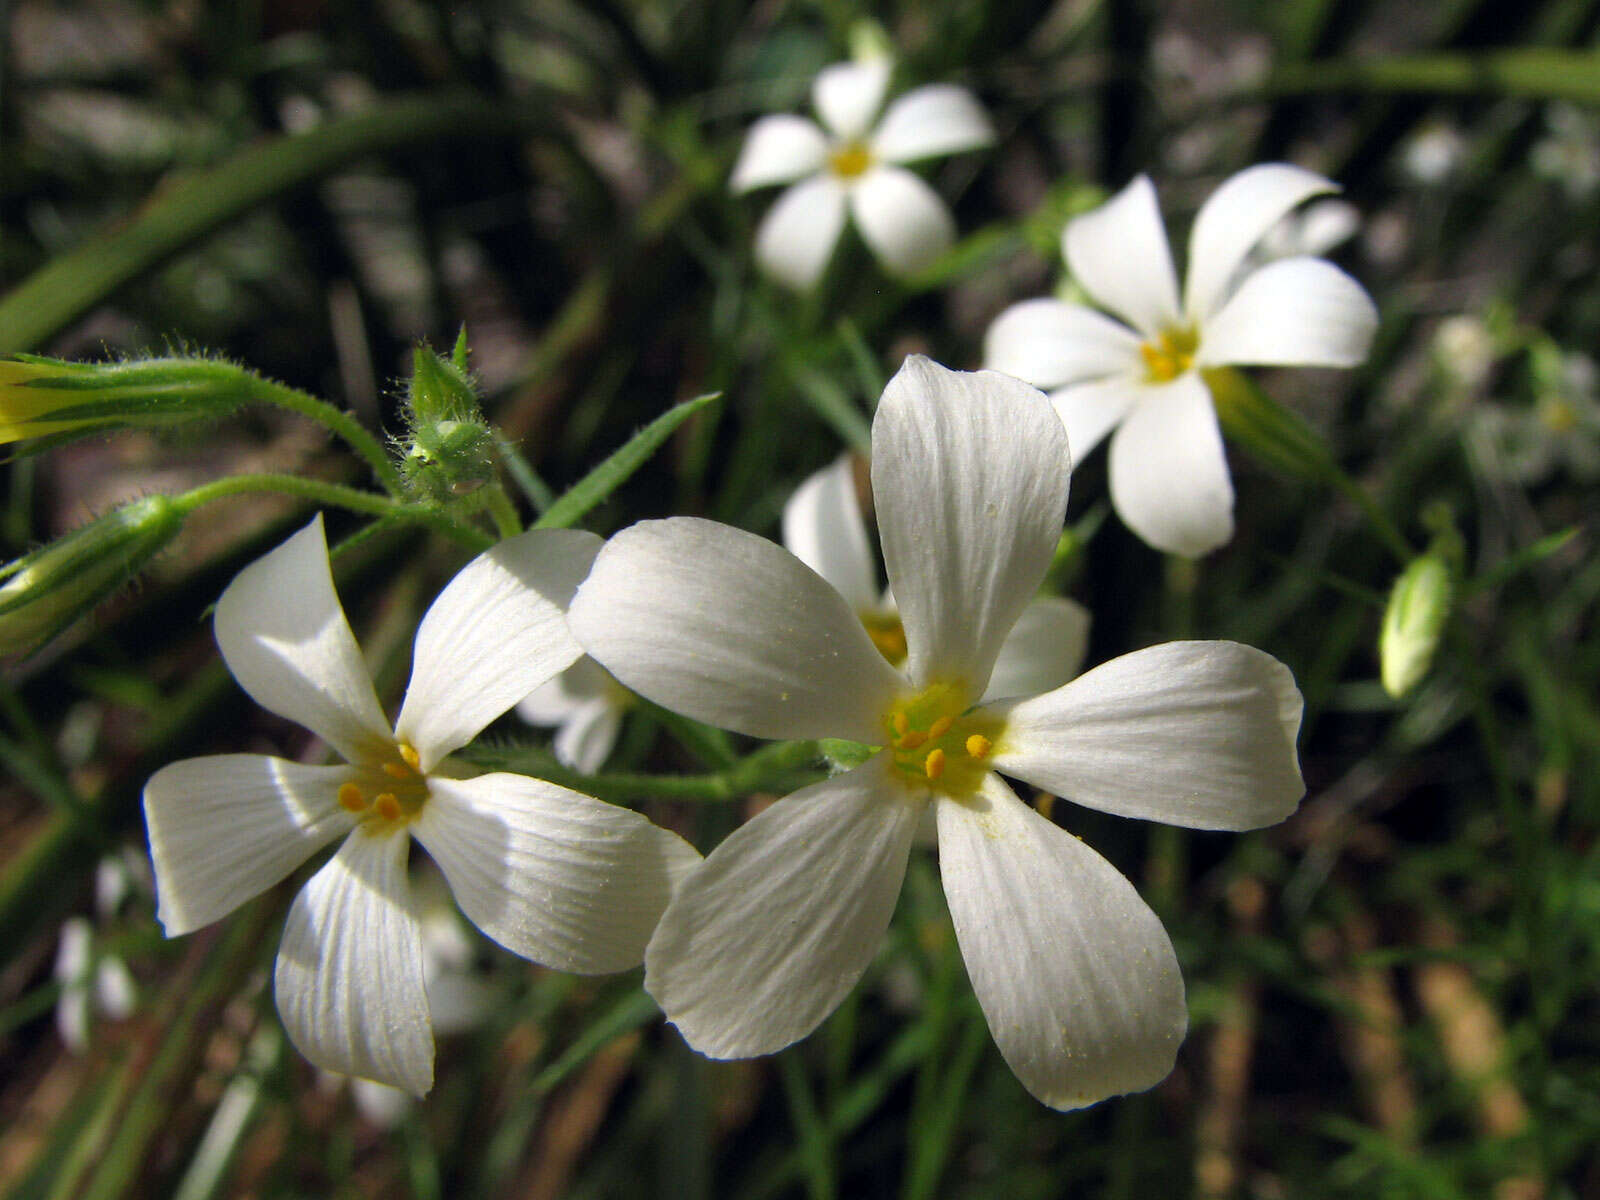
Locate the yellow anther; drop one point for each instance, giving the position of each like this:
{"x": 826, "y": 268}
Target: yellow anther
{"x": 933, "y": 765}
{"x": 408, "y": 752}
{"x": 901, "y": 722}
{"x": 941, "y": 727}
{"x": 910, "y": 741}
{"x": 851, "y": 160}
{"x": 396, "y": 770}
{"x": 387, "y": 806}
{"x": 979, "y": 746}
{"x": 1169, "y": 355}
{"x": 350, "y": 797}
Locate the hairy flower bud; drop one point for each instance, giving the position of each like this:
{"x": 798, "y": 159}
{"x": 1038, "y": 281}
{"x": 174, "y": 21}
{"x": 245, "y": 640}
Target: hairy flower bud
{"x": 43, "y": 592}
{"x": 1419, "y": 607}
{"x": 449, "y": 449}
{"x": 46, "y": 397}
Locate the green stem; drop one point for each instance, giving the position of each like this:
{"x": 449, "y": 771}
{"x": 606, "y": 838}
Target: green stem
{"x": 334, "y": 494}
{"x": 766, "y": 769}
{"x": 501, "y": 511}
{"x": 339, "y": 421}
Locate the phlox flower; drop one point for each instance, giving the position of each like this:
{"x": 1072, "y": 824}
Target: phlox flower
{"x": 1145, "y": 379}
{"x": 849, "y": 164}
{"x": 1074, "y": 972}
{"x": 549, "y": 873}
{"x": 823, "y": 528}
{"x": 586, "y": 706}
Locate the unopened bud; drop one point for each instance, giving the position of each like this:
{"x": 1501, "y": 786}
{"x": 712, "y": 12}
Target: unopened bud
{"x": 46, "y": 397}
{"x": 43, "y": 592}
{"x": 449, "y": 450}
{"x": 1419, "y": 608}
{"x": 869, "y": 40}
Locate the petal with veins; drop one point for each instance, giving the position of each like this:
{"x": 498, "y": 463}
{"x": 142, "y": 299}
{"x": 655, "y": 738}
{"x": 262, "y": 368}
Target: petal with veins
{"x": 1043, "y": 650}
{"x": 1119, "y": 254}
{"x": 1169, "y": 474}
{"x": 823, "y": 528}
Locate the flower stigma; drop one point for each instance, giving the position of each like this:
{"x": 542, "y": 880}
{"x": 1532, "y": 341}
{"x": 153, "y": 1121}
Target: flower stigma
{"x": 850, "y": 161}
{"x": 1170, "y": 354}
{"x": 393, "y": 792}
{"x": 936, "y": 743}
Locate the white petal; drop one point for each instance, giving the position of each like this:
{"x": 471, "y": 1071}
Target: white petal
{"x": 1315, "y": 230}
{"x": 800, "y": 230}
{"x": 1300, "y": 312}
{"x": 1232, "y": 220}
{"x": 970, "y": 475}
{"x": 1091, "y": 410}
{"x": 1169, "y": 475}
{"x": 587, "y": 737}
{"x": 551, "y": 874}
{"x": 72, "y": 1018}
{"x": 1119, "y": 254}
{"x": 930, "y": 121}
{"x": 1199, "y": 734}
{"x": 823, "y": 528}
{"x": 779, "y": 149}
{"x": 771, "y": 933}
{"x": 1043, "y": 650}
{"x": 1073, "y": 971}
{"x": 553, "y": 702}
{"x": 227, "y": 827}
{"x": 495, "y": 633}
{"x": 379, "y": 1103}
{"x": 901, "y": 219}
{"x": 729, "y": 628}
{"x": 284, "y": 637}
{"x": 848, "y": 95}
{"x": 114, "y": 990}
{"x": 349, "y": 980}
{"x": 1050, "y": 344}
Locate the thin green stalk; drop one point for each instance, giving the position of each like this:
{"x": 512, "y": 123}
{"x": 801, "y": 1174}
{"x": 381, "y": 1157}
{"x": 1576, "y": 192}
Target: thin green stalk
{"x": 501, "y": 511}
{"x": 341, "y": 423}
{"x": 816, "y": 1144}
{"x": 766, "y": 769}
{"x": 335, "y": 494}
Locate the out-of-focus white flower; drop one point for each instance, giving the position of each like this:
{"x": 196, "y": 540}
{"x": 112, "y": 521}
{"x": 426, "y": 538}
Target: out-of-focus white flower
{"x": 1169, "y": 475}
{"x": 586, "y": 706}
{"x": 1075, "y": 974}
{"x": 87, "y": 979}
{"x": 1312, "y": 231}
{"x": 1464, "y": 349}
{"x": 848, "y": 164}
{"x": 823, "y": 528}
{"x": 549, "y": 873}
{"x": 1433, "y": 154}
{"x": 1559, "y": 432}
{"x": 1570, "y": 153}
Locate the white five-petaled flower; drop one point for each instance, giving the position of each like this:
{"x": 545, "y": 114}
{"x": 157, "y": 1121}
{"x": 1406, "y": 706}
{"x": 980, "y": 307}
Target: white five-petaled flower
{"x": 1169, "y": 474}
{"x": 823, "y": 528}
{"x": 586, "y": 706}
{"x": 1074, "y": 972}
{"x": 848, "y": 164}
{"x": 549, "y": 873}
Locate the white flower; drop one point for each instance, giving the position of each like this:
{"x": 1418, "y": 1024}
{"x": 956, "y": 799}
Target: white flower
{"x": 1169, "y": 475}
{"x": 823, "y": 528}
{"x": 848, "y": 164}
{"x": 586, "y": 706}
{"x": 86, "y": 978}
{"x": 1074, "y": 972}
{"x": 550, "y": 874}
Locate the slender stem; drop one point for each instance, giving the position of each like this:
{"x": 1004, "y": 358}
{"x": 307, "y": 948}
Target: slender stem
{"x": 341, "y": 423}
{"x": 334, "y": 494}
{"x": 766, "y": 768}
{"x": 502, "y": 511}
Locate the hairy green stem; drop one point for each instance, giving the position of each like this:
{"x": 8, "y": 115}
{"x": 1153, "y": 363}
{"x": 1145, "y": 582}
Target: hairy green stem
{"x": 337, "y": 420}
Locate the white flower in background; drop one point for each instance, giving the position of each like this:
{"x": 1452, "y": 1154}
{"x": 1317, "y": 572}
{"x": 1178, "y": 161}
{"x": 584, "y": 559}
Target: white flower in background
{"x": 1169, "y": 474}
{"x": 1465, "y": 350}
{"x": 823, "y": 528}
{"x": 586, "y": 706}
{"x": 87, "y": 979}
{"x": 1074, "y": 972}
{"x": 1433, "y": 153}
{"x": 549, "y": 873}
{"x": 1570, "y": 153}
{"x": 848, "y": 164}
{"x": 1558, "y": 432}
{"x": 1315, "y": 229}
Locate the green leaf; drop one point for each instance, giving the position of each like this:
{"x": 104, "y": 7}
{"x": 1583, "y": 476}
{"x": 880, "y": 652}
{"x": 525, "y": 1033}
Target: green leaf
{"x": 599, "y": 483}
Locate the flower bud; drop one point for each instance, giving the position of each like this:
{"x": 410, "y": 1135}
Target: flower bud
{"x": 449, "y": 450}
{"x": 44, "y": 397}
{"x": 1419, "y": 607}
{"x": 43, "y": 592}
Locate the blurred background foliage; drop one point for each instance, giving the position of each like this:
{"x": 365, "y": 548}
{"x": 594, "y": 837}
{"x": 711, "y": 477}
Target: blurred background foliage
{"x": 1394, "y": 994}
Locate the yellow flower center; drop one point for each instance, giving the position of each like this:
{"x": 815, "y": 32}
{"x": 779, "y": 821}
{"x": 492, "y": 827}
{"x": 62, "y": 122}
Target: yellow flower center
{"x": 850, "y": 160}
{"x": 1558, "y": 415}
{"x": 392, "y": 793}
{"x": 887, "y": 634}
{"x": 1170, "y": 354}
{"x": 937, "y": 744}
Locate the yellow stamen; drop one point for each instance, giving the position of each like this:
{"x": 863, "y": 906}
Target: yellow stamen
{"x": 396, "y": 770}
{"x": 910, "y": 741}
{"x": 901, "y": 722}
{"x": 979, "y": 746}
{"x": 387, "y": 806}
{"x": 1169, "y": 355}
{"x": 933, "y": 765}
{"x": 938, "y": 742}
{"x": 409, "y": 753}
{"x": 850, "y": 161}
{"x": 941, "y": 726}
{"x": 350, "y": 797}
